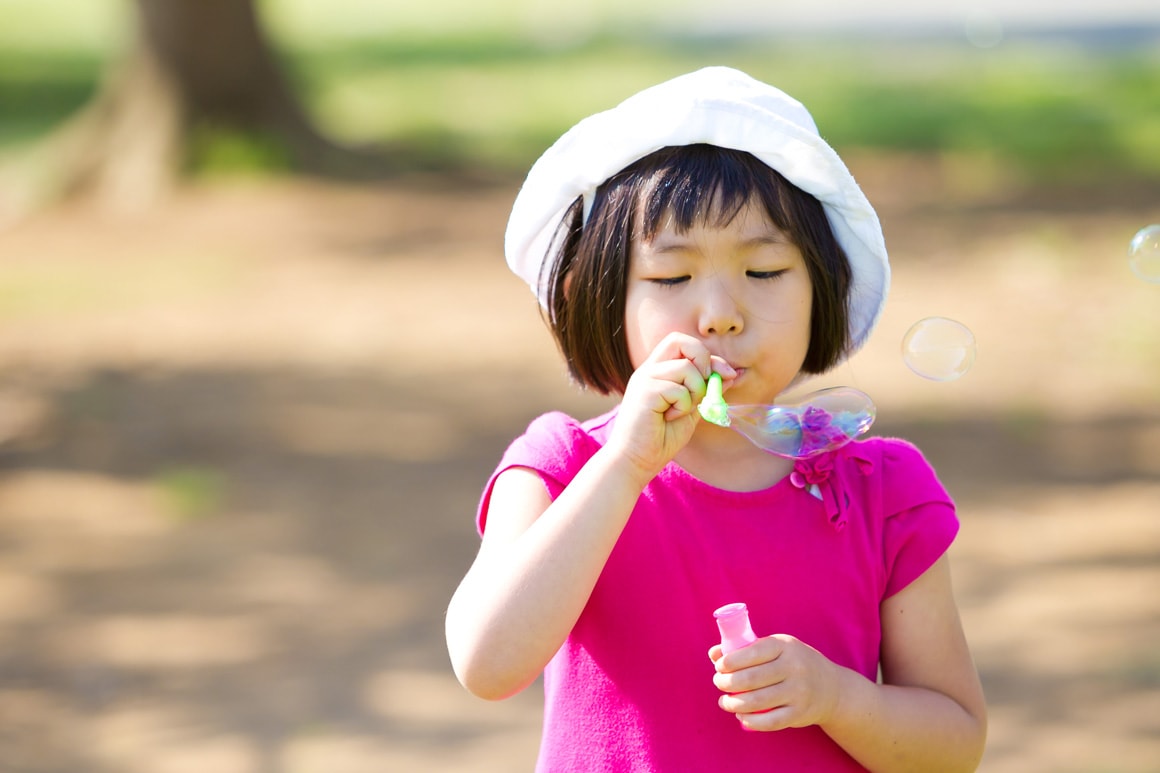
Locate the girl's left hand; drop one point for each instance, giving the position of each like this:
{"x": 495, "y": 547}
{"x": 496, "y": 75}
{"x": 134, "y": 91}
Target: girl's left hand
{"x": 777, "y": 682}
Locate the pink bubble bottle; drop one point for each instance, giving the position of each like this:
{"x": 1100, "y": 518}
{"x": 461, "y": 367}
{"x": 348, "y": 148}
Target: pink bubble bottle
{"x": 733, "y": 622}
{"x": 736, "y": 632}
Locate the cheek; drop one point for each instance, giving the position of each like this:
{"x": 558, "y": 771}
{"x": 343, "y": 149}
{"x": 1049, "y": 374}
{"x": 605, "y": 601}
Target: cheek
{"x": 803, "y": 316}
{"x": 804, "y": 326}
{"x": 798, "y": 301}
{"x": 645, "y": 323}
{"x": 805, "y": 313}
{"x": 637, "y": 339}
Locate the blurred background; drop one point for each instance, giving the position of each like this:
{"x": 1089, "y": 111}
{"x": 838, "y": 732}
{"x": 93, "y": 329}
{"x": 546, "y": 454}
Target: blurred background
{"x": 259, "y": 352}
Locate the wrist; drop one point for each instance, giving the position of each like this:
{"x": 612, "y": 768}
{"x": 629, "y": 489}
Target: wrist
{"x": 621, "y": 463}
{"x": 848, "y": 702}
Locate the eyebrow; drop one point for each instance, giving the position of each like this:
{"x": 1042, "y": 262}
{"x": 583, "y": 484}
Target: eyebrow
{"x": 661, "y": 246}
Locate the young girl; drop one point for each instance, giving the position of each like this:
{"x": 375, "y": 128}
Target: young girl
{"x": 703, "y": 225}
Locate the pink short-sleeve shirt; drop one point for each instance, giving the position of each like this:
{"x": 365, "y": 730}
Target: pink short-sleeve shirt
{"x": 813, "y": 556}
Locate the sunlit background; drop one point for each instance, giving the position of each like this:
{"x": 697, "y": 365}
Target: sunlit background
{"x": 247, "y": 403}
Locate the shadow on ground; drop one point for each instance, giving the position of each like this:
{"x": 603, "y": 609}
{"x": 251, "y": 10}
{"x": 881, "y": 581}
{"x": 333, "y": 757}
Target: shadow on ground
{"x": 246, "y": 570}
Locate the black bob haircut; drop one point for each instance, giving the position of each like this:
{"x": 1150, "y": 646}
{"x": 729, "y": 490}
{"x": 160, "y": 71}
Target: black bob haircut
{"x": 588, "y": 270}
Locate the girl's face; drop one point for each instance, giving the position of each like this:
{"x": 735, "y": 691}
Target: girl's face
{"x": 743, "y": 289}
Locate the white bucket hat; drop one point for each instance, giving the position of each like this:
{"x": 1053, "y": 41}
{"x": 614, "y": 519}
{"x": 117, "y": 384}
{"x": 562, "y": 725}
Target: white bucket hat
{"x": 717, "y": 106}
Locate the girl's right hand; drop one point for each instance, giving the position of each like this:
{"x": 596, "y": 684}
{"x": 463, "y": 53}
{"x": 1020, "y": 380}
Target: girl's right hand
{"x": 658, "y": 413}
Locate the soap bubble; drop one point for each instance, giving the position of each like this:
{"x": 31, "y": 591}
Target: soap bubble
{"x": 822, "y": 421}
{"x": 983, "y": 29}
{"x": 1144, "y": 254}
{"x": 939, "y": 348}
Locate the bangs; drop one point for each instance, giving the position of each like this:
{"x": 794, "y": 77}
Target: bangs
{"x": 700, "y": 184}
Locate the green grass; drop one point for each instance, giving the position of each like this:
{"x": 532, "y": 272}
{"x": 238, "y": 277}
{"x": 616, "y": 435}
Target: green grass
{"x": 192, "y": 492}
{"x": 458, "y": 83}
{"x": 39, "y": 89}
{"x": 1056, "y": 116}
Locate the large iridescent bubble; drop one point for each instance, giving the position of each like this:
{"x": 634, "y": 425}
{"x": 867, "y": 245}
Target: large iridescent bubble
{"x": 821, "y": 421}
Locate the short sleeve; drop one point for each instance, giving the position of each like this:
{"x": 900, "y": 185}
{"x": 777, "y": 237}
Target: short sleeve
{"x": 920, "y": 518}
{"x": 555, "y": 445}
{"x": 915, "y": 539}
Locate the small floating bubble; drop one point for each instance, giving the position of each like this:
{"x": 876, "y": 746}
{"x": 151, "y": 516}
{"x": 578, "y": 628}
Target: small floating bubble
{"x": 939, "y": 349}
{"x": 1144, "y": 254}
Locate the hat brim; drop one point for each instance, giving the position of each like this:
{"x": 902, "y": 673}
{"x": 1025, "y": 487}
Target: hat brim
{"x": 717, "y": 106}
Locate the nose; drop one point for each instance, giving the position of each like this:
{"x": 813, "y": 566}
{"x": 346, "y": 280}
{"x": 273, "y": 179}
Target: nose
{"x": 720, "y": 312}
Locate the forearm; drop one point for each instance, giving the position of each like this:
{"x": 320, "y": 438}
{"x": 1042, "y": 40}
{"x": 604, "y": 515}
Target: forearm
{"x": 899, "y": 729}
{"x": 518, "y": 603}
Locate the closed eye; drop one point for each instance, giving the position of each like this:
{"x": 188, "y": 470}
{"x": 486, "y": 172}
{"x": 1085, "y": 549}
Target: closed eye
{"x": 766, "y": 274}
{"x": 669, "y": 281}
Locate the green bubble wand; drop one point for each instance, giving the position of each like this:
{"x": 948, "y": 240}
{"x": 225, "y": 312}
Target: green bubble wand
{"x": 713, "y": 408}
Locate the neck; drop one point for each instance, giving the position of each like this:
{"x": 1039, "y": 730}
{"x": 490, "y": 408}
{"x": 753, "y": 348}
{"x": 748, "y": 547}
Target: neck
{"x": 722, "y": 458}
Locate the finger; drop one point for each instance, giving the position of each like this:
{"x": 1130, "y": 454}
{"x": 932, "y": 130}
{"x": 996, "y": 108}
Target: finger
{"x": 726, "y": 683}
{"x": 678, "y": 381}
{"x": 759, "y": 677}
{"x": 721, "y": 366}
{"x": 769, "y": 720}
{"x": 753, "y": 702}
{"x": 764, "y": 650}
{"x": 679, "y": 402}
{"x": 681, "y": 346}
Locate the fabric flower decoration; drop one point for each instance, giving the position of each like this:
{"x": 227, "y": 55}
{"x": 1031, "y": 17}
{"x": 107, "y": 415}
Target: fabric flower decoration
{"x": 812, "y": 471}
{"x": 814, "y": 475}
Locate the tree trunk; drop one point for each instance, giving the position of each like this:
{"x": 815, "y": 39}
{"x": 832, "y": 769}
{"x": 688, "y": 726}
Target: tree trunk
{"x": 192, "y": 63}
{"x": 224, "y": 71}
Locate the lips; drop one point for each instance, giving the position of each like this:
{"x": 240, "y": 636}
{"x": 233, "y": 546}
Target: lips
{"x": 728, "y": 362}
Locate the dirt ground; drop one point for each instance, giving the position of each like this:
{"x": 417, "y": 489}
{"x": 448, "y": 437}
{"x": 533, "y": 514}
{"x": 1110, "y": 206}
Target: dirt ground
{"x": 242, "y": 437}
